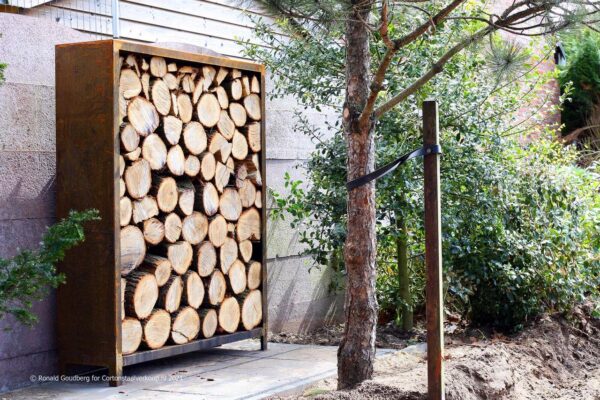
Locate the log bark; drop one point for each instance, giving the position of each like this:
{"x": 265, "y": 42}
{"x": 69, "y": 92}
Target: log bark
{"x": 194, "y": 228}
{"x": 144, "y": 209}
{"x": 186, "y": 325}
{"x": 209, "y": 110}
{"x": 172, "y": 127}
{"x": 208, "y": 166}
{"x": 130, "y": 140}
{"x": 254, "y": 273}
{"x": 245, "y": 248}
{"x": 217, "y": 286}
{"x": 247, "y": 192}
{"x": 225, "y": 125}
{"x": 230, "y": 204}
{"x": 217, "y": 230}
{"x": 249, "y": 225}
{"x": 180, "y": 255}
{"x": 158, "y": 67}
{"x": 172, "y": 224}
{"x": 161, "y": 96}
{"x": 154, "y": 231}
{"x": 133, "y": 248}
{"x": 251, "y": 309}
{"x": 165, "y": 191}
{"x": 207, "y": 198}
{"x": 253, "y": 131}
{"x": 138, "y": 179}
{"x": 229, "y": 315}
{"x": 210, "y": 321}
{"x": 237, "y": 112}
{"x": 192, "y": 166}
{"x": 186, "y": 197}
{"x": 228, "y": 254}
{"x": 155, "y": 152}
{"x": 194, "y": 138}
{"x": 176, "y": 160}
{"x": 141, "y": 293}
{"x": 237, "y": 277}
{"x": 158, "y": 266}
{"x": 157, "y": 328}
{"x": 253, "y": 107}
{"x": 170, "y": 294}
{"x": 125, "y": 208}
{"x": 185, "y": 107}
{"x": 193, "y": 289}
{"x": 206, "y": 259}
{"x": 131, "y": 332}
{"x": 239, "y": 149}
{"x": 129, "y": 83}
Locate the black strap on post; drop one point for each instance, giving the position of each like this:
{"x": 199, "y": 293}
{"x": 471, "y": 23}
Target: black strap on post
{"x": 423, "y": 151}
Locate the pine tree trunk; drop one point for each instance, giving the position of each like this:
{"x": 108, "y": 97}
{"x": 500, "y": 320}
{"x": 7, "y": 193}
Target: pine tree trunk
{"x": 356, "y": 353}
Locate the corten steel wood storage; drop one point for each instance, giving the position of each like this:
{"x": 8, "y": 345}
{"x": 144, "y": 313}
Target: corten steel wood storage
{"x": 169, "y": 146}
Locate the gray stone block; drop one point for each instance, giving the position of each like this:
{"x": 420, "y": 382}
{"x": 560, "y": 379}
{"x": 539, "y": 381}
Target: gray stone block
{"x": 21, "y": 234}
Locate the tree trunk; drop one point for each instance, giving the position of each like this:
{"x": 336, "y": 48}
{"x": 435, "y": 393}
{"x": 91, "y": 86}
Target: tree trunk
{"x": 405, "y": 311}
{"x": 357, "y": 349}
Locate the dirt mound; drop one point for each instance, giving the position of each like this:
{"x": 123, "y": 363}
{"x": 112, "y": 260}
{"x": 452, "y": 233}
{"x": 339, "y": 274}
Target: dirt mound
{"x": 553, "y": 359}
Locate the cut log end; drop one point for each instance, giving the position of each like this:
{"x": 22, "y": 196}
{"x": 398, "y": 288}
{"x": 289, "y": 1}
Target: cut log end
{"x": 229, "y": 315}
{"x": 171, "y": 293}
{"x": 193, "y": 292}
{"x": 186, "y": 325}
{"x": 141, "y": 294}
{"x": 133, "y": 248}
{"x": 157, "y": 328}
{"x": 210, "y": 322}
{"x": 217, "y": 286}
{"x": 131, "y": 335}
{"x": 252, "y": 310}
{"x": 206, "y": 259}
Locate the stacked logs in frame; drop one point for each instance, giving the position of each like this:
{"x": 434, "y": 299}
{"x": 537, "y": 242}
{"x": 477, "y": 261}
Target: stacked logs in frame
{"x": 191, "y": 194}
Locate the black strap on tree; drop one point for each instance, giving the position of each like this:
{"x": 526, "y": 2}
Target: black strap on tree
{"x": 383, "y": 171}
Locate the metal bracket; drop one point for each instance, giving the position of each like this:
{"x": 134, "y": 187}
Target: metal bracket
{"x": 383, "y": 171}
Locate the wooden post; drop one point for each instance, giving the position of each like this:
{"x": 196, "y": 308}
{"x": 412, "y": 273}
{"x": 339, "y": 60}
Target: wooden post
{"x": 433, "y": 255}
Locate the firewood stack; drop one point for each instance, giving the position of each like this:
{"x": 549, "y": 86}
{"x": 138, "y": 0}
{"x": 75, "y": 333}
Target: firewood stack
{"x": 191, "y": 190}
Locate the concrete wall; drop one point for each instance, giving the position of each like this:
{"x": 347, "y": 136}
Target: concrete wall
{"x": 298, "y": 300}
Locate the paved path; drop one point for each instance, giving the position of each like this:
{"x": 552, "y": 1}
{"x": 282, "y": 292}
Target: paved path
{"x": 234, "y": 371}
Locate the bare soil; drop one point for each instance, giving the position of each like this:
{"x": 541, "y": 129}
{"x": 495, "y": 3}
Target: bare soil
{"x": 555, "y": 358}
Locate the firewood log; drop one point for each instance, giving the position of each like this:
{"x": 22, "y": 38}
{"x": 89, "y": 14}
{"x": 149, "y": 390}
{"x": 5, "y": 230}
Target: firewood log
{"x": 234, "y": 89}
{"x": 237, "y": 277}
{"x": 133, "y": 155}
{"x": 194, "y": 138}
{"x": 193, "y": 289}
{"x": 141, "y": 293}
{"x": 231, "y": 229}
{"x": 249, "y": 225}
{"x": 174, "y": 107}
{"x": 229, "y": 315}
{"x": 210, "y": 321}
{"x": 221, "y": 75}
{"x": 247, "y": 193}
{"x": 194, "y": 227}
{"x": 253, "y": 136}
{"x": 158, "y": 266}
{"x": 158, "y": 67}
{"x": 123, "y": 284}
{"x": 225, "y": 125}
{"x": 131, "y": 332}
{"x": 176, "y": 160}
{"x": 133, "y": 248}
{"x": 122, "y": 106}
{"x": 121, "y": 165}
{"x": 228, "y": 254}
{"x": 132, "y": 62}
{"x": 172, "y": 127}
{"x": 157, "y": 329}
{"x": 254, "y": 273}
{"x": 230, "y": 204}
{"x": 206, "y": 259}
{"x": 145, "y": 65}
{"x": 241, "y": 173}
{"x": 154, "y": 151}
{"x": 209, "y": 73}
{"x": 172, "y": 67}
{"x": 180, "y": 255}
{"x": 254, "y": 173}
{"x": 142, "y": 115}
{"x": 129, "y": 84}
{"x": 219, "y": 146}
{"x": 172, "y": 224}
{"x": 187, "y": 84}
{"x": 171, "y": 81}
{"x": 130, "y": 140}
{"x": 146, "y": 84}
{"x": 245, "y": 86}
{"x": 164, "y": 188}
{"x": 239, "y": 149}
{"x": 222, "y": 176}
{"x": 222, "y": 97}
{"x": 207, "y": 198}
{"x": 125, "y": 208}
{"x": 254, "y": 85}
{"x": 252, "y": 106}
{"x": 192, "y": 166}
{"x": 209, "y": 110}
{"x": 237, "y": 112}
{"x": 208, "y": 166}
{"x": 154, "y": 231}
{"x": 217, "y": 287}
{"x": 235, "y": 73}
{"x": 122, "y": 187}
{"x": 185, "y": 325}
{"x": 258, "y": 200}
{"x": 161, "y": 96}
{"x": 144, "y": 209}
{"x": 198, "y": 90}
{"x": 217, "y": 230}
{"x": 251, "y": 309}
{"x": 187, "y": 193}
{"x": 245, "y": 247}
{"x": 185, "y": 107}
{"x": 170, "y": 294}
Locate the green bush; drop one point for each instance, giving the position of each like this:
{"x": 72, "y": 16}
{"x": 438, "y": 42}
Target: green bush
{"x": 28, "y": 276}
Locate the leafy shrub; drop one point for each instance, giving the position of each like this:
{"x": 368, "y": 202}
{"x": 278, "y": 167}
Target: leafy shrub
{"x": 28, "y": 276}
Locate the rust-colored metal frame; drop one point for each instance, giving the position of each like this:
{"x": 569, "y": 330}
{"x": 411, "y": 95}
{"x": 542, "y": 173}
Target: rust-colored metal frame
{"x": 87, "y": 127}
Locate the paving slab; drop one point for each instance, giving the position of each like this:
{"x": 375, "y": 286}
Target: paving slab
{"x": 230, "y": 372}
